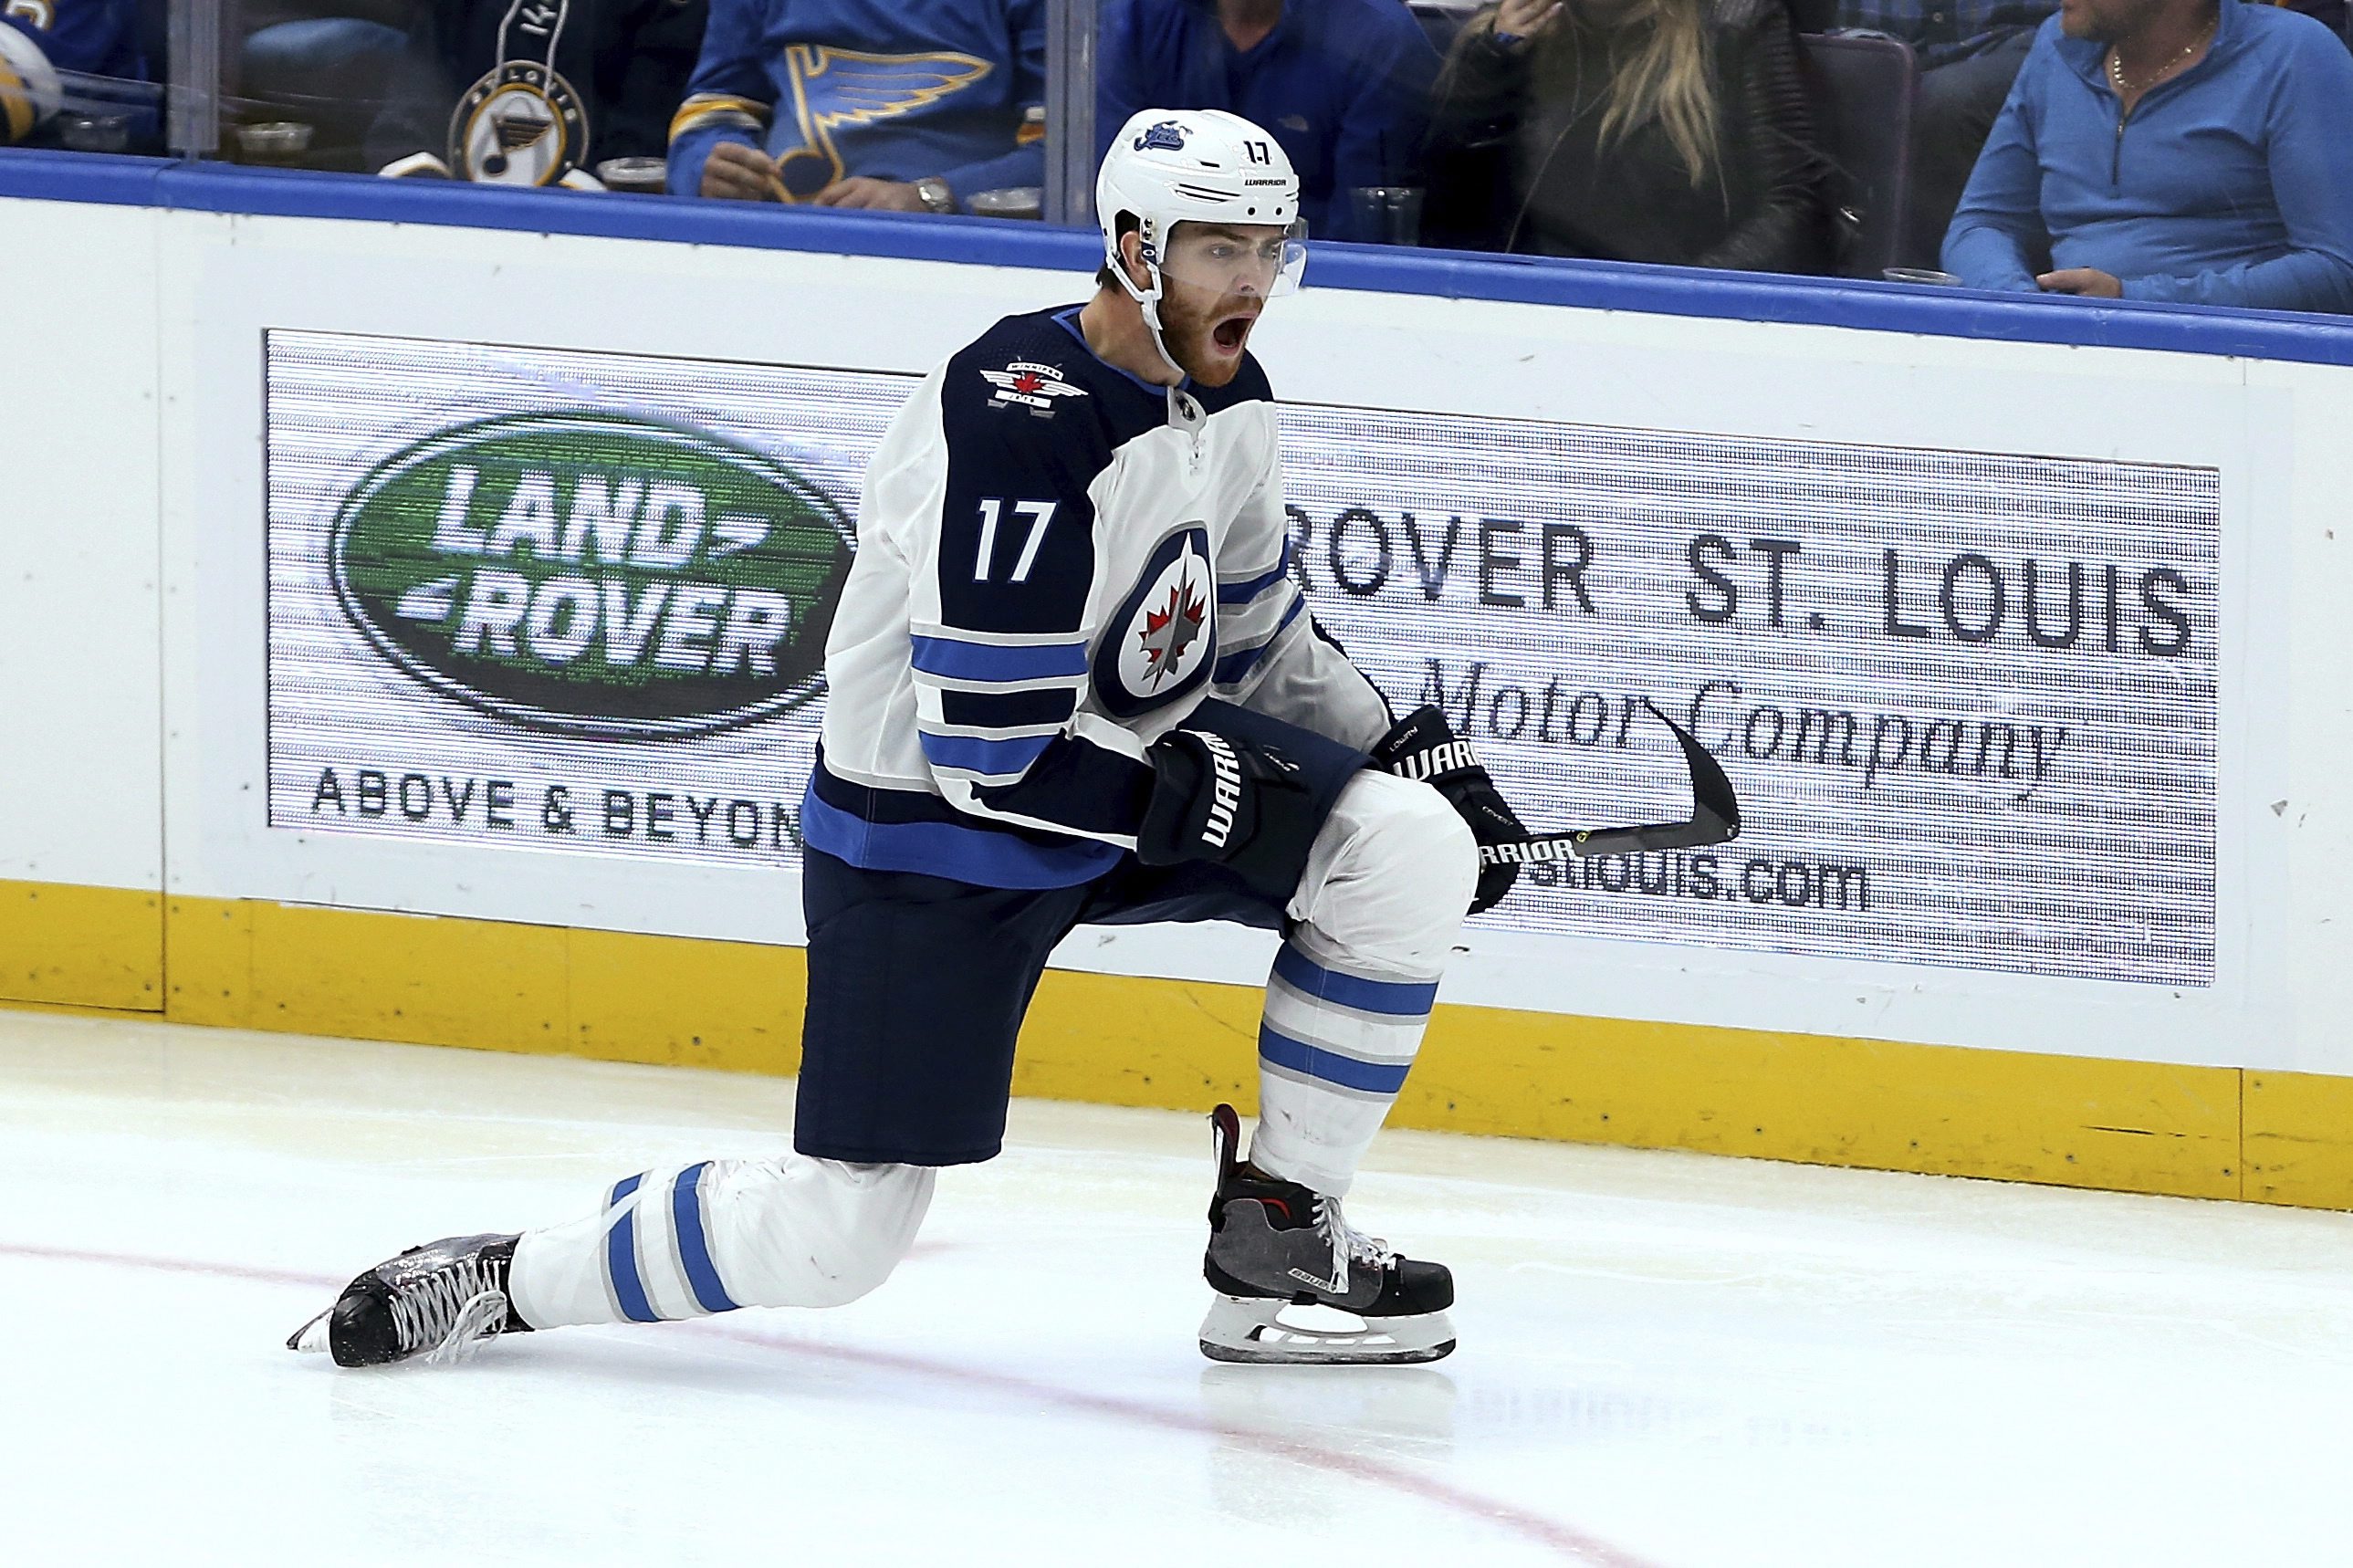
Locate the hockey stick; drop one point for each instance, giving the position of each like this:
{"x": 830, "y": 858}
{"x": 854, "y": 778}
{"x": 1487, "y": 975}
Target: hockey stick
{"x": 1715, "y": 818}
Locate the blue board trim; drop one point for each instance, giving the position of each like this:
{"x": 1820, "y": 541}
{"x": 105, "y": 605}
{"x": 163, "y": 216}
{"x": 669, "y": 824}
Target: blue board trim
{"x": 1532, "y": 280}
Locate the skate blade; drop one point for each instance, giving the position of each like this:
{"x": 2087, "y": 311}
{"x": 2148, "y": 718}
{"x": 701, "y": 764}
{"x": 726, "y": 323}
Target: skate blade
{"x": 1244, "y": 1329}
{"x": 311, "y": 1338}
{"x": 478, "y": 1323}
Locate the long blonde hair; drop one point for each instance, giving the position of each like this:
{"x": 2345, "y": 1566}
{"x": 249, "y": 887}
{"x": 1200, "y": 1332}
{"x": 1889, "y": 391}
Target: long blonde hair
{"x": 1669, "y": 78}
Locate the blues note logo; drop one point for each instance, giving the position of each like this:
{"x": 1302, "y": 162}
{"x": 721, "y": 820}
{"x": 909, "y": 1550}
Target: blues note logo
{"x": 833, "y": 88}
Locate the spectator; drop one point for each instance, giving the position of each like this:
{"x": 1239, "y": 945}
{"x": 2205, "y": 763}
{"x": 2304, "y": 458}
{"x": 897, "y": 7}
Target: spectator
{"x": 1667, "y": 130}
{"x": 335, "y": 65}
{"x": 913, "y": 106}
{"x": 2333, "y": 14}
{"x": 1969, "y": 52}
{"x": 526, "y": 92}
{"x": 72, "y": 73}
{"x": 1343, "y": 84}
{"x": 2169, "y": 150}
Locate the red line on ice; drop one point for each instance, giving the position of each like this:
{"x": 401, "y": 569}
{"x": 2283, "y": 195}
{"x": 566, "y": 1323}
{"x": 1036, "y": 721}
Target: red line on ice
{"x": 1573, "y": 1544}
{"x": 1580, "y": 1546}
{"x": 171, "y": 1265}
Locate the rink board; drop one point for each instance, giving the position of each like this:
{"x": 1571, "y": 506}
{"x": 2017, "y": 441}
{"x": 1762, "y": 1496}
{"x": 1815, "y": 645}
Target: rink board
{"x": 2015, "y": 625}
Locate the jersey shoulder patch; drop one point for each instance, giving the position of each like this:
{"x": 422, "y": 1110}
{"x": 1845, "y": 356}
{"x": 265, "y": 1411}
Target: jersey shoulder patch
{"x": 1038, "y": 363}
{"x": 1035, "y": 369}
{"x": 1018, "y": 395}
{"x": 1026, "y": 365}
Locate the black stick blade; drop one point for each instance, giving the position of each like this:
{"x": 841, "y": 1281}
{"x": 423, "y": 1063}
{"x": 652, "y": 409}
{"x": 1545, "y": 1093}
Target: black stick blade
{"x": 1715, "y": 818}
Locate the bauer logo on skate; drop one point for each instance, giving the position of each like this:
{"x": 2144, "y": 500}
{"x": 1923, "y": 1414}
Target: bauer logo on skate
{"x": 578, "y": 570}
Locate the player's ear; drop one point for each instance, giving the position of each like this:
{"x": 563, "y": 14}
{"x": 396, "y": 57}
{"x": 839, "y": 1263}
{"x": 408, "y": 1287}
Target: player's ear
{"x": 1131, "y": 253}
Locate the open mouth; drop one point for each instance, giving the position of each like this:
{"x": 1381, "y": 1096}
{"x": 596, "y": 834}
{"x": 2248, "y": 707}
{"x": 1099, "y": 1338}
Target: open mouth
{"x": 1230, "y": 333}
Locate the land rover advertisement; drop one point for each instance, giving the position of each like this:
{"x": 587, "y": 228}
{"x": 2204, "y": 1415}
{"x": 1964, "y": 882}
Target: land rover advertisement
{"x": 577, "y": 602}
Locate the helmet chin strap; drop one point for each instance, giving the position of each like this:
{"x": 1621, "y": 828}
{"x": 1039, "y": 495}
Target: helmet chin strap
{"x": 1152, "y": 324}
{"x": 1150, "y": 305}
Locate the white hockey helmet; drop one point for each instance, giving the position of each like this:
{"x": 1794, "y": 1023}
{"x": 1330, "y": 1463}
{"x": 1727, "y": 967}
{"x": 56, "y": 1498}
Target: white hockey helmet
{"x": 29, "y": 89}
{"x": 1168, "y": 166}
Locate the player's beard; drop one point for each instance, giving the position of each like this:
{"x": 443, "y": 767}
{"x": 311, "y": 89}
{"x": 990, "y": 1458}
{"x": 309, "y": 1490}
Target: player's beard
{"x": 1207, "y": 341}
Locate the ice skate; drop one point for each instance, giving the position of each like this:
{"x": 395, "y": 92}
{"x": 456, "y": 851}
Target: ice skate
{"x": 1277, "y": 1247}
{"x": 442, "y": 1301}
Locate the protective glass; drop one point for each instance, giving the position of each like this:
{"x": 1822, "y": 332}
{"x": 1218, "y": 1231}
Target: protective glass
{"x": 1255, "y": 259}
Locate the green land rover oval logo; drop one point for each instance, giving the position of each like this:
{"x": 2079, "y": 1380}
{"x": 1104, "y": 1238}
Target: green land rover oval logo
{"x": 595, "y": 574}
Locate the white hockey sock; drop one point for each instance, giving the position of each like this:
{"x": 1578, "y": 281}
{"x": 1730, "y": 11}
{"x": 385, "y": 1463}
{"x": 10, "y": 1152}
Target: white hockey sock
{"x": 723, "y": 1234}
{"x": 1377, "y": 911}
{"x": 1334, "y": 1047}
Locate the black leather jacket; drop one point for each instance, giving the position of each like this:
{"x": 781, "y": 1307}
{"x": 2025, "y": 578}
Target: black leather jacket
{"x": 1516, "y": 163}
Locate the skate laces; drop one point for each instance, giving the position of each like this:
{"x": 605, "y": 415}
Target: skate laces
{"x": 424, "y": 1312}
{"x": 1347, "y": 1241}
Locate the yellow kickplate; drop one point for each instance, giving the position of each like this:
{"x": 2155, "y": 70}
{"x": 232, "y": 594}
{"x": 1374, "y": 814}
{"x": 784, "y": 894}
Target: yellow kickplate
{"x": 208, "y": 962}
{"x": 81, "y": 947}
{"x": 2299, "y": 1130}
{"x": 616, "y": 996}
{"x": 1943, "y": 1109}
{"x": 1112, "y": 1040}
{"x": 429, "y": 980}
{"x": 1819, "y": 1099}
{"x": 679, "y": 1001}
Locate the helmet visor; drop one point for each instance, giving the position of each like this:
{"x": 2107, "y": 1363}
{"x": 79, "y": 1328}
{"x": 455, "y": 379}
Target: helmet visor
{"x": 1258, "y": 259}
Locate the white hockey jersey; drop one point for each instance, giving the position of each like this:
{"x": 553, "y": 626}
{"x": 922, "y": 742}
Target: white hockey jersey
{"x": 1057, "y": 562}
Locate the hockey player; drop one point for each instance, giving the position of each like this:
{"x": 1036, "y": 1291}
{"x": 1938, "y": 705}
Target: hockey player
{"x": 1072, "y": 680}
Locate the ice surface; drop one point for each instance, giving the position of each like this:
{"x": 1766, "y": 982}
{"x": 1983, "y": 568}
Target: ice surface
{"x": 1666, "y": 1359}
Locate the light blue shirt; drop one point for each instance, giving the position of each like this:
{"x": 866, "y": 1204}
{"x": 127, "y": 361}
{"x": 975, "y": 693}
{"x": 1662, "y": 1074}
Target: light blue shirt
{"x": 2229, "y": 185}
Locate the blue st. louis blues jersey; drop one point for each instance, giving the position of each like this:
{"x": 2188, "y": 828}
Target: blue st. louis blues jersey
{"x": 1057, "y": 562}
{"x": 898, "y": 90}
{"x": 82, "y": 37}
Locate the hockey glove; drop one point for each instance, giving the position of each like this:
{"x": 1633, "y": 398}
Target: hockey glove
{"x": 1218, "y": 798}
{"x": 1421, "y": 746}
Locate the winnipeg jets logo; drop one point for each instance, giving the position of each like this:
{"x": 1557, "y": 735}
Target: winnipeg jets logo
{"x": 1161, "y": 641}
{"x": 1034, "y": 386}
{"x": 1168, "y": 631}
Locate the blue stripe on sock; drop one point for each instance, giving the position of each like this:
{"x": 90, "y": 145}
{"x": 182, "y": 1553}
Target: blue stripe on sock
{"x": 623, "y": 1188}
{"x": 694, "y": 1249}
{"x": 622, "y": 1260}
{"x": 1372, "y": 1078}
{"x": 1398, "y": 999}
